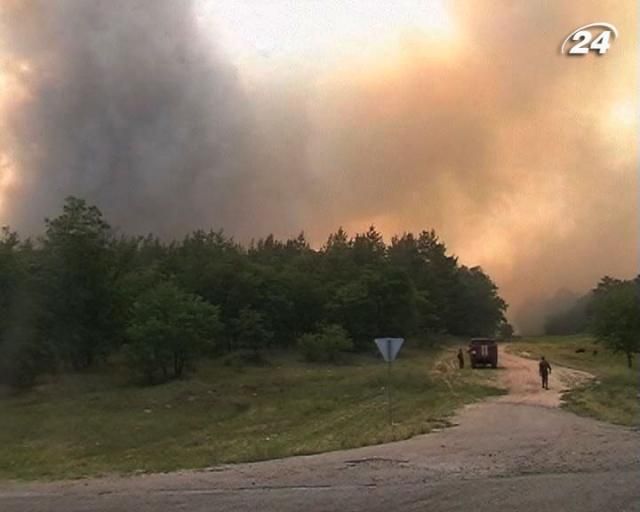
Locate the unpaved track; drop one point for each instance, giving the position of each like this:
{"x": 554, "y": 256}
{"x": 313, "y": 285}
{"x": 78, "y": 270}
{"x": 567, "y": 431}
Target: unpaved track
{"x": 520, "y": 377}
{"x": 517, "y": 453}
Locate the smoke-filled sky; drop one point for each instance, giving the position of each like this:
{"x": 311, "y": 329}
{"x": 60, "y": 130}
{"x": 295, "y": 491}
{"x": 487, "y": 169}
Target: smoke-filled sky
{"x": 279, "y": 116}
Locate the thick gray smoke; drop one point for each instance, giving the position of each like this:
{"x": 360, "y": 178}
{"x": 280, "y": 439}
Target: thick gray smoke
{"x": 130, "y": 107}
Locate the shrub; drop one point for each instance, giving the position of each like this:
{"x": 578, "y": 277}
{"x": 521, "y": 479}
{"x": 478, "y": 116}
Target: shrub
{"x": 168, "y": 329}
{"x": 327, "y": 345}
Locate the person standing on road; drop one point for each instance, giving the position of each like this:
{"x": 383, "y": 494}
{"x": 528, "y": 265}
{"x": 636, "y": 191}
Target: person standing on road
{"x": 545, "y": 370}
{"x": 460, "y": 358}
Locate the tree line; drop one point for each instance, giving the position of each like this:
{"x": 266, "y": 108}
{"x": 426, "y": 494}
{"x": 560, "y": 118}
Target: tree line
{"x": 81, "y": 294}
{"x": 610, "y": 311}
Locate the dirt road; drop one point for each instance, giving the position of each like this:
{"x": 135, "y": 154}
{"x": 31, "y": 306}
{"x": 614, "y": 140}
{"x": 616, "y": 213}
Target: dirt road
{"x": 518, "y": 453}
{"x": 520, "y": 377}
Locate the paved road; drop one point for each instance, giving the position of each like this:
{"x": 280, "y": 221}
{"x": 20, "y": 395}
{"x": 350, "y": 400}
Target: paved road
{"x": 518, "y": 453}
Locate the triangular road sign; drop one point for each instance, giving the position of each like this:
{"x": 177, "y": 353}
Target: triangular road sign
{"x": 389, "y": 347}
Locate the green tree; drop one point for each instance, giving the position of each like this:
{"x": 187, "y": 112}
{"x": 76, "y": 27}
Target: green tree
{"x": 368, "y": 248}
{"x": 83, "y": 290}
{"x": 380, "y": 302}
{"x": 250, "y": 330}
{"x": 23, "y": 354}
{"x": 337, "y": 264}
{"x": 434, "y": 274}
{"x": 615, "y": 315}
{"x": 478, "y": 310}
{"x": 9, "y": 273}
{"x": 80, "y": 312}
{"x": 168, "y": 329}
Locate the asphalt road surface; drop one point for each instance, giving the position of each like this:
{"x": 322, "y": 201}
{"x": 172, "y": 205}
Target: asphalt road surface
{"x": 518, "y": 453}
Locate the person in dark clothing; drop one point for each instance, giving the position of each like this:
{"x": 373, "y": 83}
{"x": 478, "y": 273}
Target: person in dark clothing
{"x": 460, "y": 358}
{"x": 545, "y": 370}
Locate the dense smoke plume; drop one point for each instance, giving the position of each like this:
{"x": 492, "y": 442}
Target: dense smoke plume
{"x": 523, "y": 160}
{"x": 127, "y": 104}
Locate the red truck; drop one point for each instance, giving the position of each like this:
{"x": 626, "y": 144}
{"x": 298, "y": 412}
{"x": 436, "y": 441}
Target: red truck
{"x": 483, "y": 352}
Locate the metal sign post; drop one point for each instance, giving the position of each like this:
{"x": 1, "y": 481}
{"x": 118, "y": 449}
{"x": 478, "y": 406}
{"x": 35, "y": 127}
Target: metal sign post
{"x": 389, "y": 348}
{"x": 390, "y": 409}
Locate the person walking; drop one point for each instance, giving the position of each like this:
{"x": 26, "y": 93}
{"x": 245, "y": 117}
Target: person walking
{"x": 460, "y": 358}
{"x": 545, "y": 370}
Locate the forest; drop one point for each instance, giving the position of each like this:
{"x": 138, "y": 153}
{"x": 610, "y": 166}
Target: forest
{"x": 82, "y": 295}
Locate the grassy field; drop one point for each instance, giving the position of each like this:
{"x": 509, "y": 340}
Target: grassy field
{"x": 87, "y": 425}
{"x": 612, "y": 396}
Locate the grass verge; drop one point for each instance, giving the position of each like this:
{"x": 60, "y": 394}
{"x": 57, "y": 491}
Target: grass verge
{"x": 89, "y": 425}
{"x": 612, "y": 396}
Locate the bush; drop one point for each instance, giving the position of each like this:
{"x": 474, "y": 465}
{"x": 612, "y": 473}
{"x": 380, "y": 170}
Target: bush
{"x": 327, "y": 345}
{"x": 168, "y": 329}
